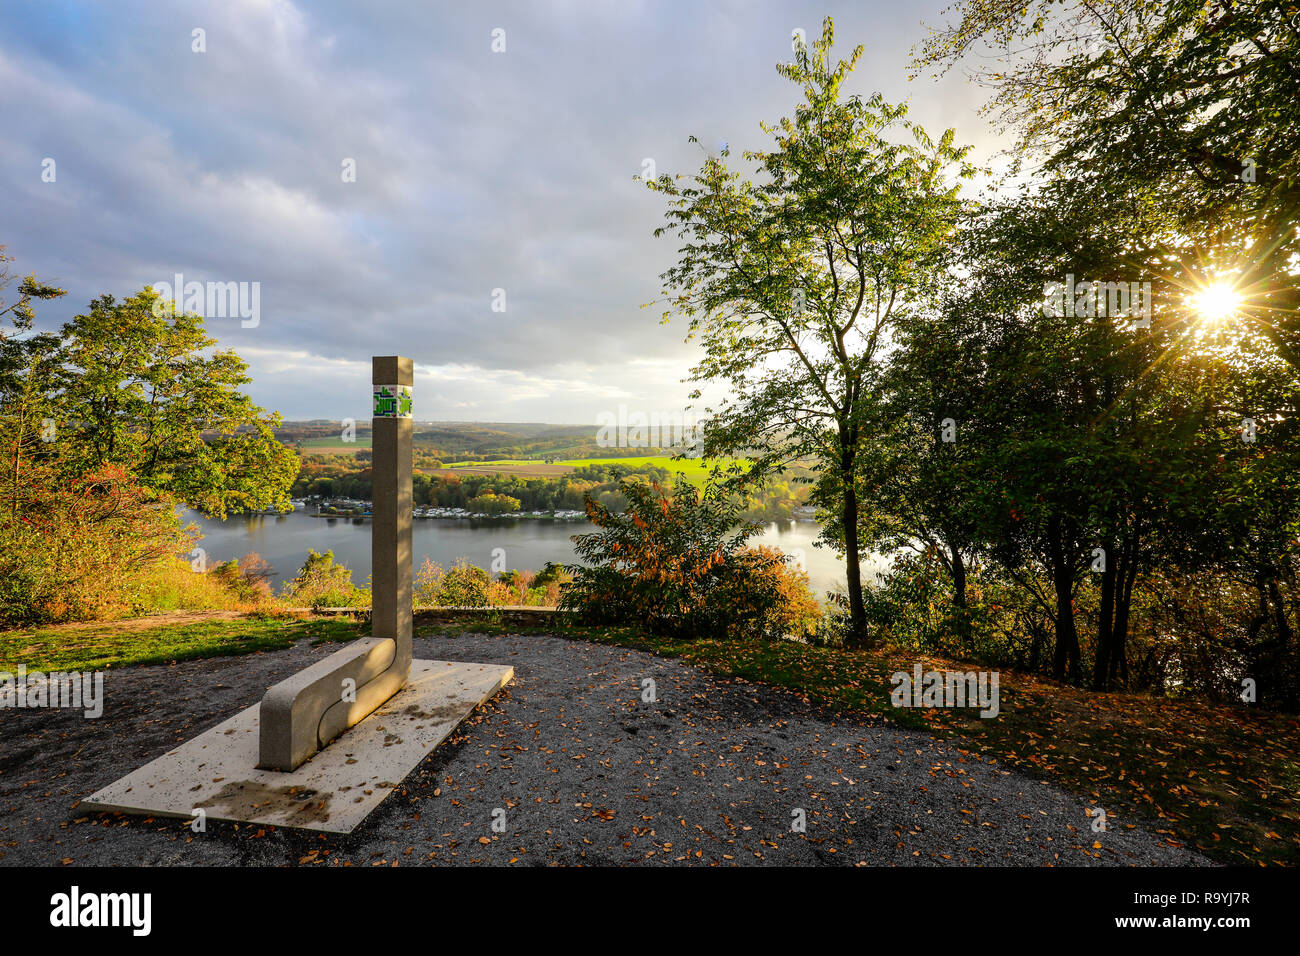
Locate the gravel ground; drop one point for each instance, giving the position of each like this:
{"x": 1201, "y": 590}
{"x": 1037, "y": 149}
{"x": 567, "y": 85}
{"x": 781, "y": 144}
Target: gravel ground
{"x": 574, "y": 768}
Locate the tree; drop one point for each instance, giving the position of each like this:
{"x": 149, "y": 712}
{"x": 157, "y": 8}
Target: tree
{"x": 27, "y": 361}
{"x": 1077, "y": 443}
{"x": 136, "y": 387}
{"x": 71, "y": 545}
{"x": 18, "y": 348}
{"x": 792, "y": 285}
{"x": 1182, "y": 106}
{"x": 1244, "y": 522}
{"x": 493, "y": 504}
{"x": 322, "y": 583}
{"x": 918, "y": 464}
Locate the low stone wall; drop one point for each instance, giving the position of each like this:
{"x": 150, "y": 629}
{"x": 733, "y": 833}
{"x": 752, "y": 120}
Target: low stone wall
{"x": 508, "y": 613}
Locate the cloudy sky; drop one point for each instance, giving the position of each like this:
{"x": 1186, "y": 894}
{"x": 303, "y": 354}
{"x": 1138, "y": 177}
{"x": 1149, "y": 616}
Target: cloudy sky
{"x": 475, "y": 171}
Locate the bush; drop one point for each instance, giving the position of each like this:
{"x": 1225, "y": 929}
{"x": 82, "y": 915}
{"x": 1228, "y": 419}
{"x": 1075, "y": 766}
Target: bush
{"x": 676, "y": 566}
{"x": 552, "y": 573}
{"x": 521, "y": 588}
{"x": 248, "y": 579}
{"x": 772, "y": 595}
{"x": 428, "y": 583}
{"x": 322, "y": 583}
{"x": 912, "y": 607}
{"x": 464, "y": 585}
{"x": 176, "y": 585}
{"x": 81, "y": 549}
{"x": 1200, "y": 634}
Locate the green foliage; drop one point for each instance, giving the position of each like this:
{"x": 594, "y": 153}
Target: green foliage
{"x": 105, "y": 427}
{"x": 676, "y": 565}
{"x": 911, "y": 607}
{"x": 138, "y": 388}
{"x": 463, "y": 585}
{"x": 552, "y": 573}
{"x": 24, "y": 355}
{"x": 792, "y": 285}
{"x": 322, "y": 583}
{"x": 1179, "y": 107}
{"x": 1087, "y": 453}
{"x": 132, "y": 386}
{"x": 493, "y": 504}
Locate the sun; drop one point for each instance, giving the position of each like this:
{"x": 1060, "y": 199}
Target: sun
{"x": 1216, "y": 302}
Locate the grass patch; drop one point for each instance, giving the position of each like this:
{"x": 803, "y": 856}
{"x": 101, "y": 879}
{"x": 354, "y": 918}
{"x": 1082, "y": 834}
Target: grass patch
{"x": 124, "y": 643}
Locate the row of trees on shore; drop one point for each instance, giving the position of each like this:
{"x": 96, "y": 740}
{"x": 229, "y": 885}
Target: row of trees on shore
{"x": 346, "y": 476}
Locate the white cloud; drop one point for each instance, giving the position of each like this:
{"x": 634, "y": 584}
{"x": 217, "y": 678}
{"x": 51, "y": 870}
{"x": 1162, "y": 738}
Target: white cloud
{"x": 475, "y": 171}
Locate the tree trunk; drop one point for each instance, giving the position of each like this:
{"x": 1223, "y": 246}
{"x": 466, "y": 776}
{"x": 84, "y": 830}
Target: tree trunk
{"x": 958, "y": 578}
{"x": 1105, "y": 619}
{"x": 1127, "y": 575}
{"x": 1284, "y": 631}
{"x": 857, "y": 612}
{"x": 959, "y": 604}
{"x": 1065, "y": 663}
{"x": 1065, "y": 660}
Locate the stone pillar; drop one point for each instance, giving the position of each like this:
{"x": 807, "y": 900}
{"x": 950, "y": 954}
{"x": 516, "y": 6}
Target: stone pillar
{"x": 390, "y": 536}
{"x": 303, "y": 713}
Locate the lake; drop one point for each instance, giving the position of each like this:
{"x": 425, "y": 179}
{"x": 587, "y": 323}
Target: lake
{"x": 526, "y": 545}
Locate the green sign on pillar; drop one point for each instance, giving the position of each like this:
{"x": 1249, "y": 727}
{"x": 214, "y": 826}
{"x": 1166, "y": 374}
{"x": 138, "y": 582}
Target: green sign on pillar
{"x": 392, "y": 401}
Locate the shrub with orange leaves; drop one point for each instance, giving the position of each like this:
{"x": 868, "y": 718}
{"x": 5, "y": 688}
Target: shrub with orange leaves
{"x": 772, "y": 591}
{"x": 79, "y": 549}
{"x": 678, "y": 565}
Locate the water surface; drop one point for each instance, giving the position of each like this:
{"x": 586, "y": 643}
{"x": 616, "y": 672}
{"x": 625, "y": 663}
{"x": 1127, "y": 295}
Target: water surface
{"x": 284, "y": 540}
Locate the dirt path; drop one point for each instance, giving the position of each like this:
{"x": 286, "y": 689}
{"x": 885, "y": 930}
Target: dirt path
{"x": 577, "y": 766}
{"x": 170, "y": 619}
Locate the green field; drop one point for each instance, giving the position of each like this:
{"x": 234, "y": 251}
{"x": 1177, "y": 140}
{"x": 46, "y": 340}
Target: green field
{"x": 694, "y": 470}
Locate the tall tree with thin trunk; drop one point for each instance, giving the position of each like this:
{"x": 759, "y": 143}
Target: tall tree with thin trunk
{"x": 791, "y": 284}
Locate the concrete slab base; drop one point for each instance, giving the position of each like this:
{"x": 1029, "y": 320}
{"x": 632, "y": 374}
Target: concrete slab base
{"x": 337, "y": 788}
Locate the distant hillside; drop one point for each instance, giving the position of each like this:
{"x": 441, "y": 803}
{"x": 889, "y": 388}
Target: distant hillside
{"x": 463, "y": 441}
